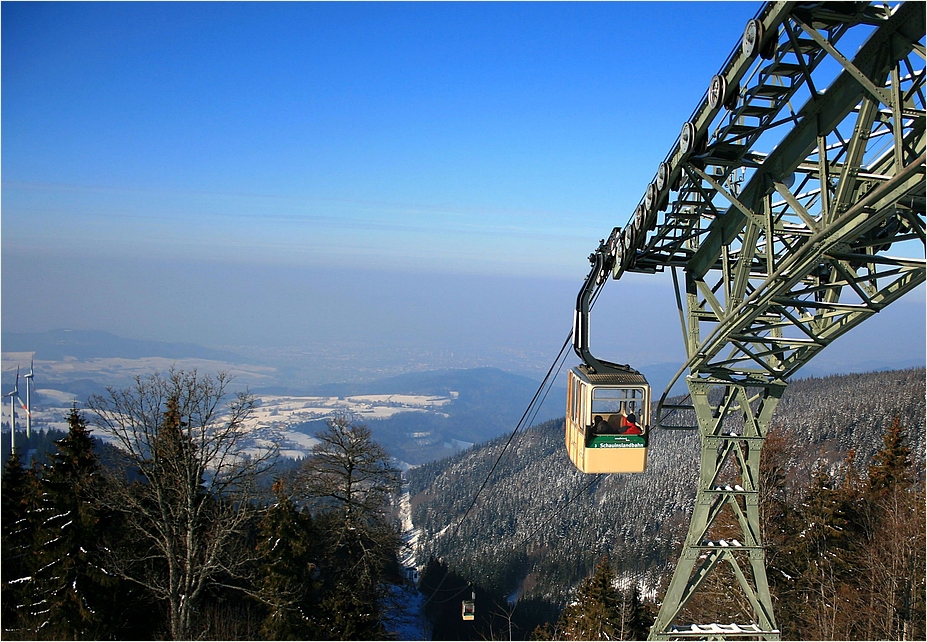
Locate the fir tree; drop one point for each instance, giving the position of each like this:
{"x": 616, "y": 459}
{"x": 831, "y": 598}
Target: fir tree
{"x": 288, "y": 565}
{"x": 636, "y": 618}
{"x": 892, "y": 565}
{"x": 595, "y": 614}
{"x": 351, "y": 580}
{"x": 77, "y": 593}
{"x": 815, "y": 565}
{"x": 350, "y": 481}
{"x": 20, "y": 492}
{"x": 892, "y": 466}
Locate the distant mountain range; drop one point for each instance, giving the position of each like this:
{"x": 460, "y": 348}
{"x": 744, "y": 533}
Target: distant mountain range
{"x": 486, "y": 402}
{"x": 57, "y": 345}
{"x": 477, "y": 381}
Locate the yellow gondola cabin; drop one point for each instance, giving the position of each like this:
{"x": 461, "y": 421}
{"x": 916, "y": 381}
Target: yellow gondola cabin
{"x": 468, "y": 608}
{"x": 607, "y": 421}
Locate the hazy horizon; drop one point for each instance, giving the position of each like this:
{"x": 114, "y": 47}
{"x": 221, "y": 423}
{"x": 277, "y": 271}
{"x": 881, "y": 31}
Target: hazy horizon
{"x": 512, "y": 323}
{"x": 381, "y": 178}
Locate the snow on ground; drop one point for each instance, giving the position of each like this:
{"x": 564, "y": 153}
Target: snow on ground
{"x": 404, "y": 616}
{"x": 410, "y": 534}
{"x": 272, "y": 422}
{"x": 59, "y": 396}
{"x": 276, "y": 410}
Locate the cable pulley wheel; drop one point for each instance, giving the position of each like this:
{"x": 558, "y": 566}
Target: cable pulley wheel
{"x": 717, "y": 92}
{"x": 687, "y": 138}
{"x": 663, "y": 176}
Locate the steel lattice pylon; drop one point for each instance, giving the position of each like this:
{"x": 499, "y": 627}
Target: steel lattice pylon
{"x": 783, "y": 229}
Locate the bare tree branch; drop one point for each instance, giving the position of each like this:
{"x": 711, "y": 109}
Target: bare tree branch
{"x": 189, "y": 506}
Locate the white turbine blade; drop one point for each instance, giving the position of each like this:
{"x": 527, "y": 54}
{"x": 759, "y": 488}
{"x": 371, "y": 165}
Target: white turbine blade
{"x": 24, "y": 407}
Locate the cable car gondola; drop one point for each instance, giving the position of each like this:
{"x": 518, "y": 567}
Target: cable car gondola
{"x": 468, "y": 607}
{"x": 607, "y": 421}
{"x": 608, "y": 404}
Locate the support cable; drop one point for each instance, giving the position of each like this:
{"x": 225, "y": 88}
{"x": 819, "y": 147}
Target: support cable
{"x": 531, "y": 410}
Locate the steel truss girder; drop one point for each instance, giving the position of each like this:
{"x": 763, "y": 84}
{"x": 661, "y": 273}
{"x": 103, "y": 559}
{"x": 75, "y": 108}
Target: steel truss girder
{"x": 696, "y": 224}
{"x": 800, "y": 299}
{"x": 783, "y": 230}
{"x": 732, "y": 431}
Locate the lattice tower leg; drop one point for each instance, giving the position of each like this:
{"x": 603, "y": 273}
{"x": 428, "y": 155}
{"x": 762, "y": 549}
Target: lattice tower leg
{"x": 733, "y": 421}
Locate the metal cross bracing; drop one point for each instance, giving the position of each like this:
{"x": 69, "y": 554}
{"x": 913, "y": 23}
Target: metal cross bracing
{"x": 790, "y": 209}
{"x": 785, "y": 249}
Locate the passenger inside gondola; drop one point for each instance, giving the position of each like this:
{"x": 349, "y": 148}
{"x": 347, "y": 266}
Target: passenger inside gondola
{"x": 629, "y": 424}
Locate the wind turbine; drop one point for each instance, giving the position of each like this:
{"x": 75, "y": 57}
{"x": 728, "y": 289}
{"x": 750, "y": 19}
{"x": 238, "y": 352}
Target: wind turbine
{"x": 13, "y": 394}
{"x": 30, "y": 384}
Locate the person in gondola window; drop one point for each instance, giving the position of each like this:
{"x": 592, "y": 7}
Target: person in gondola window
{"x": 629, "y": 423}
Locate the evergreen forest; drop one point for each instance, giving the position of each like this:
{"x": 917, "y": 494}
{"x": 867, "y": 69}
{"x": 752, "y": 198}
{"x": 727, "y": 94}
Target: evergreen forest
{"x": 178, "y": 527}
{"x": 843, "y": 519}
{"x": 179, "y": 536}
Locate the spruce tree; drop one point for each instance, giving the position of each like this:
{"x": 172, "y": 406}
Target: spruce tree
{"x": 77, "y": 593}
{"x": 286, "y": 548}
{"x": 636, "y": 617}
{"x": 350, "y": 482}
{"x": 892, "y": 466}
{"x": 892, "y": 565}
{"x": 19, "y": 497}
{"x": 814, "y": 571}
{"x": 595, "y": 614}
{"x": 351, "y": 580}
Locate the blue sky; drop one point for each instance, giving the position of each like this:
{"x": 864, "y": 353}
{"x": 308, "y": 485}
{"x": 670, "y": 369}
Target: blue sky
{"x": 167, "y": 164}
{"x": 486, "y": 138}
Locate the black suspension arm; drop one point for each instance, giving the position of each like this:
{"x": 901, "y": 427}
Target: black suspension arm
{"x": 602, "y": 261}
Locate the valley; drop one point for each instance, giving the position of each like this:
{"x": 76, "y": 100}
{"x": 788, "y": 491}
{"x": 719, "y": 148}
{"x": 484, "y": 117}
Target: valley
{"x": 418, "y": 416}
{"x": 539, "y": 527}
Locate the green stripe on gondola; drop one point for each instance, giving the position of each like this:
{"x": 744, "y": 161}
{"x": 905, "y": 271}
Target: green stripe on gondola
{"x": 618, "y": 441}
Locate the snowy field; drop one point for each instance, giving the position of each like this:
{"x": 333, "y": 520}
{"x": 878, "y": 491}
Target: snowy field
{"x": 274, "y": 416}
{"x": 274, "y": 421}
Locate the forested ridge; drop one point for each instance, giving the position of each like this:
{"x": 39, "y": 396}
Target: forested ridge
{"x": 181, "y": 534}
{"x": 187, "y": 532}
{"x": 540, "y": 528}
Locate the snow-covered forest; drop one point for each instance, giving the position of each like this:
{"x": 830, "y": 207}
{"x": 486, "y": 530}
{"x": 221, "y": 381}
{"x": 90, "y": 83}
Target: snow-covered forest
{"x": 540, "y": 527}
{"x": 178, "y": 535}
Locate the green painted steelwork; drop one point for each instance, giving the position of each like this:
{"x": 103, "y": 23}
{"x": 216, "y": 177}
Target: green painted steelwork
{"x": 732, "y": 431}
{"x": 791, "y": 209}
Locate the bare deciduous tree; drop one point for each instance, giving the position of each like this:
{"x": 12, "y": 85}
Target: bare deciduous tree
{"x": 349, "y": 471}
{"x": 184, "y": 439}
{"x": 349, "y": 479}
